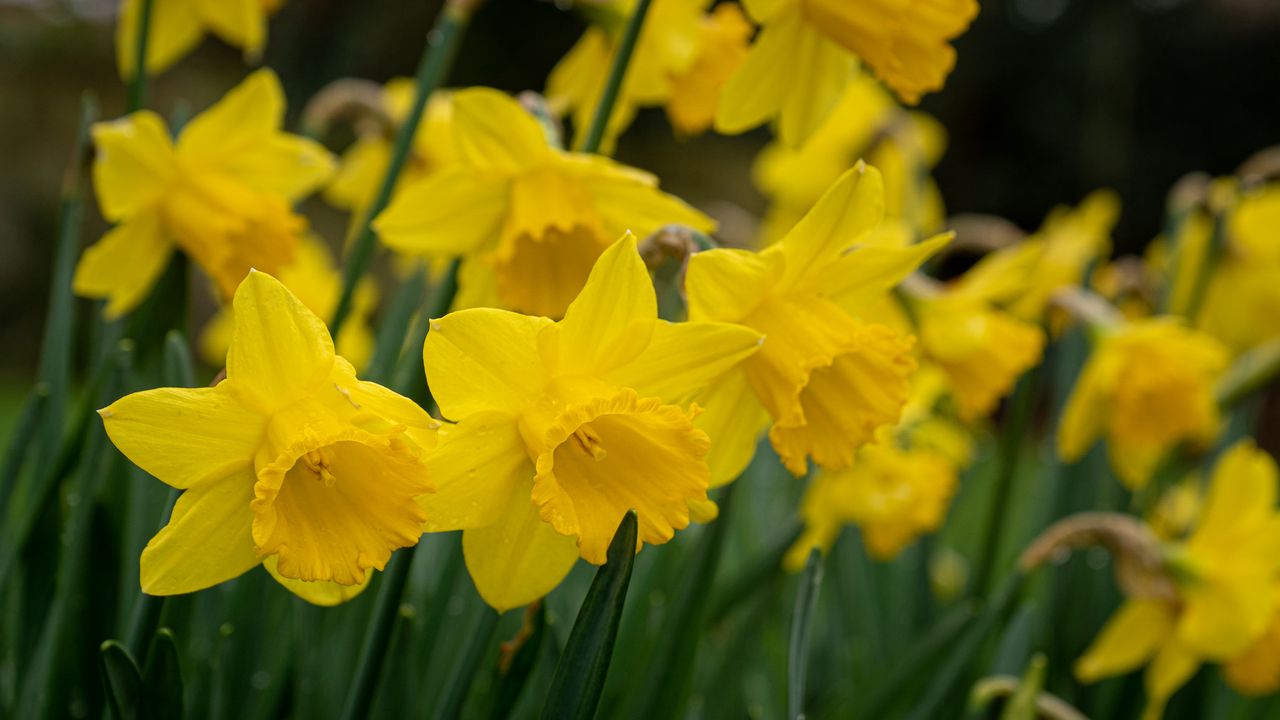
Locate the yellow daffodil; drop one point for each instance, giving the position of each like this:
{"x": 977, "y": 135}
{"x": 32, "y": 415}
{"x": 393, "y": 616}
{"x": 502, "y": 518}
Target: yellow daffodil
{"x": 893, "y": 495}
{"x": 529, "y": 218}
{"x": 314, "y": 280}
{"x": 681, "y": 60}
{"x": 1241, "y": 303}
{"x": 363, "y": 165}
{"x": 866, "y": 123}
{"x": 177, "y": 26}
{"x": 221, "y": 194}
{"x": 982, "y": 349}
{"x": 1256, "y": 671}
{"x": 805, "y": 55}
{"x": 1147, "y": 386}
{"x": 290, "y": 462}
{"x": 1023, "y": 277}
{"x": 826, "y": 378}
{"x": 1223, "y": 580}
{"x": 564, "y": 426}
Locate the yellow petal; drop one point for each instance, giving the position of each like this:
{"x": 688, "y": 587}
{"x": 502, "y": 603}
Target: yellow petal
{"x": 703, "y": 511}
{"x": 247, "y": 116}
{"x": 495, "y": 134}
{"x": 452, "y": 212}
{"x": 817, "y": 74}
{"x": 134, "y": 165}
{"x": 850, "y": 208}
{"x": 286, "y": 165}
{"x": 175, "y": 30}
{"x": 683, "y": 358}
{"x": 476, "y": 468}
{"x": 727, "y": 284}
{"x": 1085, "y": 415}
{"x": 1222, "y": 617}
{"x": 316, "y": 592}
{"x": 359, "y": 173}
{"x": 756, "y": 92}
{"x": 1241, "y": 498}
{"x": 239, "y": 22}
{"x": 1130, "y": 638}
{"x": 519, "y": 558}
{"x": 734, "y": 419}
{"x": 629, "y": 201}
{"x": 124, "y": 264}
{"x": 280, "y": 350}
{"x": 1172, "y": 668}
{"x": 764, "y": 10}
{"x": 185, "y": 436}
{"x": 483, "y": 359}
{"x": 207, "y": 541}
{"x": 611, "y": 320}
{"x": 862, "y": 276}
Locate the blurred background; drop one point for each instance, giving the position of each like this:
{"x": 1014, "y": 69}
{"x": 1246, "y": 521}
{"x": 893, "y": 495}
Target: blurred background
{"x": 1050, "y": 99}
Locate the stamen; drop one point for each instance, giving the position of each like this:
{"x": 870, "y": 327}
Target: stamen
{"x": 317, "y": 461}
{"x": 589, "y": 442}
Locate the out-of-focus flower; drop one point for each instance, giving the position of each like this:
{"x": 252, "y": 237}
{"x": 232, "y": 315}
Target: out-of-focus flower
{"x": 681, "y": 60}
{"x": 562, "y": 427}
{"x": 1223, "y": 580}
{"x": 529, "y": 218}
{"x": 894, "y": 495}
{"x": 826, "y": 378}
{"x": 1177, "y": 510}
{"x": 1023, "y": 277}
{"x": 221, "y": 194}
{"x": 865, "y": 124}
{"x": 313, "y": 278}
{"x": 982, "y": 350}
{"x": 1257, "y": 671}
{"x": 1147, "y": 386}
{"x": 364, "y": 163}
{"x": 290, "y": 461}
{"x": 805, "y": 54}
{"x": 177, "y": 26}
{"x": 1241, "y": 305}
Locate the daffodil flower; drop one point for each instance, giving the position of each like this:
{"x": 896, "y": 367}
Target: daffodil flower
{"x": 313, "y": 278}
{"x": 1224, "y": 575}
{"x": 530, "y": 219}
{"x": 1147, "y": 386}
{"x": 806, "y": 51}
{"x": 221, "y": 194}
{"x": 827, "y": 378}
{"x": 290, "y": 462}
{"x": 177, "y": 26}
{"x": 562, "y": 427}
{"x": 1241, "y": 303}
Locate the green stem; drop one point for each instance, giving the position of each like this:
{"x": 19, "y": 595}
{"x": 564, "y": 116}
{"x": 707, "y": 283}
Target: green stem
{"x": 617, "y": 73}
{"x": 798, "y": 647}
{"x": 437, "y": 58}
{"x": 465, "y": 671}
{"x": 138, "y": 84}
{"x": 1010, "y": 444}
{"x": 374, "y": 650}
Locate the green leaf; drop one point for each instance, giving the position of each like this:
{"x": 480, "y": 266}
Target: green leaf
{"x": 584, "y": 665}
{"x": 801, "y": 619}
{"x": 465, "y": 671}
{"x": 162, "y": 684}
{"x": 394, "y": 326}
{"x": 755, "y": 574}
{"x": 16, "y": 452}
{"x": 122, "y": 680}
{"x": 378, "y": 636}
{"x": 512, "y": 680}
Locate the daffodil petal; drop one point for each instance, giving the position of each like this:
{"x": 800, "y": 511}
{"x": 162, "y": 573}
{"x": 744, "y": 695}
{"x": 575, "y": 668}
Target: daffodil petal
{"x": 519, "y": 558}
{"x": 280, "y": 350}
{"x": 286, "y": 165}
{"x": 850, "y": 208}
{"x": 629, "y": 201}
{"x": 862, "y": 276}
{"x": 726, "y": 284}
{"x": 1172, "y": 668}
{"x": 756, "y": 92}
{"x": 494, "y": 133}
{"x": 208, "y": 539}
{"x": 1241, "y": 498}
{"x": 239, "y": 22}
{"x": 175, "y": 30}
{"x": 683, "y": 358}
{"x": 1130, "y": 638}
{"x": 483, "y": 359}
{"x": 1222, "y": 617}
{"x": 452, "y": 212}
{"x": 611, "y": 320}
{"x": 134, "y": 165}
{"x": 734, "y": 419}
{"x": 817, "y": 73}
{"x": 123, "y": 266}
{"x": 477, "y": 466}
{"x": 247, "y": 116}
{"x": 185, "y": 436}
{"x": 318, "y": 592}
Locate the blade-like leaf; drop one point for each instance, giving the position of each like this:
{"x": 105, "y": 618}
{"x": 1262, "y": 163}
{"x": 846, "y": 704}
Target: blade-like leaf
{"x": 584, "y": 665}
{"x": 513, "y": 677}
{"x": 162, "y": 685}
{"x": 122, "y": 680}
{"x": 798, "y": 649}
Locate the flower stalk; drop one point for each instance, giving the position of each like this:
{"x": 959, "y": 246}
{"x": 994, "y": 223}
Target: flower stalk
{"x": 617, "y": 73}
